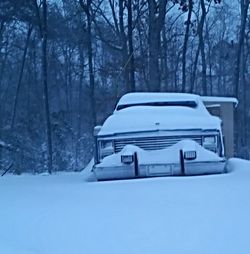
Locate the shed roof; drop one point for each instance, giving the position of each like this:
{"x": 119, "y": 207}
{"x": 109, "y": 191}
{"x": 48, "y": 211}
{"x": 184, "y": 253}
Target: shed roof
{"x": 218, "y": 99}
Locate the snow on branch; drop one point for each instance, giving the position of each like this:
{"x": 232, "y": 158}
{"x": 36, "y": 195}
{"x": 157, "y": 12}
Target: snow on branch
{"x": 4, "y": 145}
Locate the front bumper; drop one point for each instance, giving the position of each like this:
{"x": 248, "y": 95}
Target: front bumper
{"x": 128, "y": 171}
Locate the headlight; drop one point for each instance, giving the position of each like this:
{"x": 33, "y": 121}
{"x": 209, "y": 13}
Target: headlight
{"x": 210, "y": 143}
{"x": 106, "y": 144}
{"x": 209, "y": 140}
{"x": 106, "y": 147}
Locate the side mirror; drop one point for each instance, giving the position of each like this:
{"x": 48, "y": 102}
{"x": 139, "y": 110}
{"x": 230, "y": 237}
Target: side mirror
{"x": 97, "y": 129}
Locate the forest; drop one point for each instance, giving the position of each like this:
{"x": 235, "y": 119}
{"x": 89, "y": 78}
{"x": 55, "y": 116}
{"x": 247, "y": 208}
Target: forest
{"x": 65, "y": 63}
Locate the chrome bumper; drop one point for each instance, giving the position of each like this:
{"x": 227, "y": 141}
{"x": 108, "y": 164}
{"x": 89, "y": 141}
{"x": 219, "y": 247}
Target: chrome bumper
{"x": 127, "y": 171}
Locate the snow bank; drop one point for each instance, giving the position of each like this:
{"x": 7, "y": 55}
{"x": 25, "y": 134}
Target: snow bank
{"x": 63, "y": 214}
{"x": 89, "y": 167}
{"x": 163, "y": 156}
{"x": 233, "y": 165}
{"x": 87, "y": 173}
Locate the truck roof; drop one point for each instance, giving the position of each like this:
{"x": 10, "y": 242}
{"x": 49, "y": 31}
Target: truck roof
{"x": 153, "y": 97}
{"x": 137, "y": 112}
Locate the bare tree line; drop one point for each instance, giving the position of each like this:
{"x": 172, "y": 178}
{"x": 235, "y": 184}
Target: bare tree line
{"x": 64, "y": 64}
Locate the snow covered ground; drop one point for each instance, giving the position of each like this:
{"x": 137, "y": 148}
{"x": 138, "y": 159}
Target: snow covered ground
{"x": 65, "y": 214}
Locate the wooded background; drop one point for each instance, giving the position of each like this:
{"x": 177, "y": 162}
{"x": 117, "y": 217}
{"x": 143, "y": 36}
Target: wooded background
{"x": 65, "y": 63}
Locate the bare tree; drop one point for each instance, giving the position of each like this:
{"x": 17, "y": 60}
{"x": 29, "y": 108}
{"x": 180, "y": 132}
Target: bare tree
{"x": 114, "y": 47}
{"x": 157, "y": 12}
{"x": 131, "y": 47}
{"x": 202, "y": 45}
{"x": 80, "y": 106}
{"x": 20, "y": 75}
{"x": 86, "y": 6}
{"x": 239, "y": 81}
{"x": 42, "y": 21}
{"x": 188, "y": 23}
{"x": 244, "y": 5}
{"x": 201, "y": 50}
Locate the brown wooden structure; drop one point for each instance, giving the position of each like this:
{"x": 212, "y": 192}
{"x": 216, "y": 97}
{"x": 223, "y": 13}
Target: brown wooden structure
{"x": 223, "y": 107}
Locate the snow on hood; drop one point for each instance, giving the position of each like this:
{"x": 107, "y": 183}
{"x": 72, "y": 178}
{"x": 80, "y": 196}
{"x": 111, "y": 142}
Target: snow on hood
{"x": 153, "y": 118}
{"x": 159, "y": 156}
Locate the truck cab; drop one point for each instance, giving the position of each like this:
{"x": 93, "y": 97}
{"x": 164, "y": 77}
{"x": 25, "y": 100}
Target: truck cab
{"x": 159, "y": 134}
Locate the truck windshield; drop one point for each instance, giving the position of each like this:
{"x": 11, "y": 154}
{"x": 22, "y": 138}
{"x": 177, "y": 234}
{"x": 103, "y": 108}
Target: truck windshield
{"x": 191, "y": 104}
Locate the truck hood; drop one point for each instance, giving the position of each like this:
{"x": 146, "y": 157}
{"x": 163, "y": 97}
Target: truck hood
{"x": 146, "y": 118}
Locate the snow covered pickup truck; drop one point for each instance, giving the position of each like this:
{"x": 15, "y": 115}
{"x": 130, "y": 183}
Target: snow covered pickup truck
{"x": 158, "y": 134}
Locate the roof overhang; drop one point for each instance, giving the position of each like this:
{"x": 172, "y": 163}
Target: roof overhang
{"x": 219, "y": 100}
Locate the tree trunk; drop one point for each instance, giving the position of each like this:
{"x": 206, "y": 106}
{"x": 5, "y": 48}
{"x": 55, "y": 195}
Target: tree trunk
{"x": 157, "y": 12}
{"x": 91, "y": 69}
{"x": 45, "y": 87}
{"x": 202, "y": 47}
{"x": 244, "y": 99}
{"x": 131, "y": 48}
{"x": 2, "y": 24}
{"x": 80, "y": 105}
{"x": 142, "y": 53}
{"x": 3, "y": 66}
{"x": 244, "y": 11}
{"x": 193, "y": 77}
{"x": 188, "y": 22}
{"x": 238, "y": 64}
{"x": 20, "y": 77}
{"x": 125, "y": 54}
{"x": 165, "y": 71}
{"x": 86, "y": 9}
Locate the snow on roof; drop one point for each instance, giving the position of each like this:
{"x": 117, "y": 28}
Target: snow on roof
{"x": 144, "y": 97}
{"x": 139, "y": 117}
{"x": 141, "y": 97}
{"x": 218, "y": 99}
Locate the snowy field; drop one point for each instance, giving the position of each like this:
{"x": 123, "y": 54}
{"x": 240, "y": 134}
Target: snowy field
{"x": 65, "y": 214}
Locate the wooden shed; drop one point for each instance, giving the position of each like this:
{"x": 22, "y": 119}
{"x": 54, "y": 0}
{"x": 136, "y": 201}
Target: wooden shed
{"x": 223, "y": 107}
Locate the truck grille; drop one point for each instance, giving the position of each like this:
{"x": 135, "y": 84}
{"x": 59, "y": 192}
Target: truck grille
{"x": 153, "y": 143}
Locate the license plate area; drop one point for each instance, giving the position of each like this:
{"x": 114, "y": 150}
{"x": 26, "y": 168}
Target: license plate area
{"x": 160, "y": 169}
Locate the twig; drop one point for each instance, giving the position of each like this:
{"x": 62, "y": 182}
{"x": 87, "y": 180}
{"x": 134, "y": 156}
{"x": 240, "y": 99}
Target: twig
{"x": 7, "y": 169}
